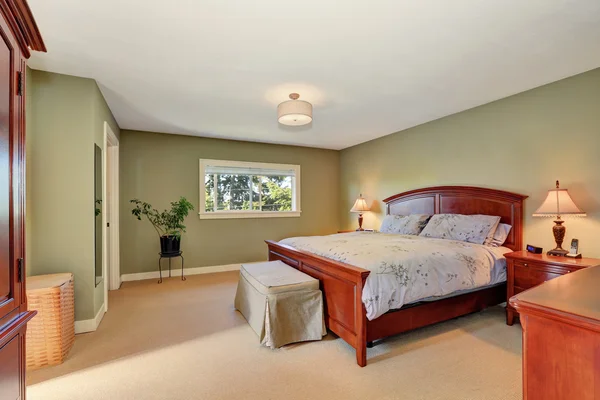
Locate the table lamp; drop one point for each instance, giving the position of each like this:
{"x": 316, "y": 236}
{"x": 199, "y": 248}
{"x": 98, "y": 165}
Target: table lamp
{"x": 557, "y": 203}
{"x": 360, "y": 206}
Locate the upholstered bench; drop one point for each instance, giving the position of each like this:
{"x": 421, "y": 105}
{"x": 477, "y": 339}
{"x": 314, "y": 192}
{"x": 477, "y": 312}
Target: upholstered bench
{"x": 281, "y": 304}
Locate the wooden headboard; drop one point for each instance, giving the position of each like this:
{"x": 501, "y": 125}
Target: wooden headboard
{"x": 464, "y": 200}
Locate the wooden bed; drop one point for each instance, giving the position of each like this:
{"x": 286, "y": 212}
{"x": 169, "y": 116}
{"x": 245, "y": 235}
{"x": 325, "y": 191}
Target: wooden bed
{"x": 342, "y": 284}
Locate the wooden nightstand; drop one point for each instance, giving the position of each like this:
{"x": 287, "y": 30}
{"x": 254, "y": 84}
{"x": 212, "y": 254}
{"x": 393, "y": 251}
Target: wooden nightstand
{"x": 526, "y": 270}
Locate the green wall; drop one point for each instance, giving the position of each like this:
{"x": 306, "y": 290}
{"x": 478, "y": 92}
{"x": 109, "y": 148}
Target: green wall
{"x": 521, "y": 144}
{"x": 65, "y": 117}
{"x": 158, "y": 168}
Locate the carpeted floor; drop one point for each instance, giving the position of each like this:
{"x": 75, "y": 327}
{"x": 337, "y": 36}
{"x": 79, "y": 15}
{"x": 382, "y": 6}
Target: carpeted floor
{"x": 183, "y": 340}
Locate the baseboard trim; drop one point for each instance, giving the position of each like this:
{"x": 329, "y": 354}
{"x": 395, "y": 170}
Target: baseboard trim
{"x": 140, "y": 276}
{"x": 90, "y": 325}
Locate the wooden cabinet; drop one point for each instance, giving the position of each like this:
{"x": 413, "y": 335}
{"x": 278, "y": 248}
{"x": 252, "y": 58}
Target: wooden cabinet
{"x": 526, "y": 270}
{"x": 19, "y": 35}
{"x": 561, "y": 337}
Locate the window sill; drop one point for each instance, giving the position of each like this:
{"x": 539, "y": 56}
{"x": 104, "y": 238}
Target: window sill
{"x": 249, "y": 214}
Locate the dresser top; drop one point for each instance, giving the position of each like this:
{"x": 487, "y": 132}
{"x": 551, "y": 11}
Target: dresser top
{"x": 546, "y": 259}
{"x": 574, "y": 296}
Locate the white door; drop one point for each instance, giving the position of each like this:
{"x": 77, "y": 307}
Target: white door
{"x": 111, "y": 223}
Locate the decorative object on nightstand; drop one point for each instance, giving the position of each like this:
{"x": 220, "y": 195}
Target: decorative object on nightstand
{"x": 534, "y": 249}
{"x": 360, "y": 206}
{"x": 526, "y": 270}
{"x": 574, "y": 253}
{"x": 557, "y": 203}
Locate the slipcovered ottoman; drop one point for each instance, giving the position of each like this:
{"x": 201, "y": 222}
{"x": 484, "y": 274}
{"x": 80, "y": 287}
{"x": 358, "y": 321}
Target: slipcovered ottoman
{"x": 281, "y": 304}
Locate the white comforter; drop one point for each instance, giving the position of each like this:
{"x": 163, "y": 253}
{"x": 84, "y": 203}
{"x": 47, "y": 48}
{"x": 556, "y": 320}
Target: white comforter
{"x": 405, "y": 269}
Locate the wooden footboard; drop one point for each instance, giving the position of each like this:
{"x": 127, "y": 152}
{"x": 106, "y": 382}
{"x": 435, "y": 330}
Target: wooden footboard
{"x": 342, "y": 286}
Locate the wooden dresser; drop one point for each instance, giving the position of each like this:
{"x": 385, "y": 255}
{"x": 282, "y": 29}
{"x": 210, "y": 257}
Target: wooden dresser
{"x": 19, "y": 36}
{"x": 561, "y": 337}
{"x": 526, "y": 270}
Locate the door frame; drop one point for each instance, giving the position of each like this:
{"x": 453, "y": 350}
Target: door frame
{"x": 112, "y": 269}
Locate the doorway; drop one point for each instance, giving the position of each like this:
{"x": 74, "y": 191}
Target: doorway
{"x": 111, "y": 213}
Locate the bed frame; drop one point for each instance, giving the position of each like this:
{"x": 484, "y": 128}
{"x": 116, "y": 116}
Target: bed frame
{"x": 342, "y": 284}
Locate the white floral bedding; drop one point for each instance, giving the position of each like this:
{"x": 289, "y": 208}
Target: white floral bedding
{"x": 405, "y": 268}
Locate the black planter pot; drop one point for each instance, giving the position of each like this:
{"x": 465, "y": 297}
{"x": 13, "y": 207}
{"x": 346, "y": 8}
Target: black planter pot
{"x": 170, "y": 244}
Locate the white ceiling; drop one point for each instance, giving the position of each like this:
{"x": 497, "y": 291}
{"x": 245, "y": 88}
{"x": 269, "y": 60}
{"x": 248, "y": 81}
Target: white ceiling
{"x": 219, "y": 68}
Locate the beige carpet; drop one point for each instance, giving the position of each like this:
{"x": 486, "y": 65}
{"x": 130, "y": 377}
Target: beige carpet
{"x": 183, "y": 340}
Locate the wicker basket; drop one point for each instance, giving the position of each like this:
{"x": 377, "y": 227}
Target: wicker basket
{"x": 51, "y": 333}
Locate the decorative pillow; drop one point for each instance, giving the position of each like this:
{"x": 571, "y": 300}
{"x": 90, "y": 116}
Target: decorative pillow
{"x": 404, "y": 224}
{"x": 466, "y": 228}
{"x": 500, "y": 235}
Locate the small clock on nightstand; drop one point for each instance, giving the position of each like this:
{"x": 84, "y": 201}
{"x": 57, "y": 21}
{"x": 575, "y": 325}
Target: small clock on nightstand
{"x": 526, "y": 270}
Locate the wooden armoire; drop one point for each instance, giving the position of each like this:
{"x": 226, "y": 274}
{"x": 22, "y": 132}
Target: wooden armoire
{"x": 20, "y": 36}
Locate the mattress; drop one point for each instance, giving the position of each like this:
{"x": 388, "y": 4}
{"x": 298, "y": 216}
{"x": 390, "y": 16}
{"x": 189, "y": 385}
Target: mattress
{"x": 406, "y": 269}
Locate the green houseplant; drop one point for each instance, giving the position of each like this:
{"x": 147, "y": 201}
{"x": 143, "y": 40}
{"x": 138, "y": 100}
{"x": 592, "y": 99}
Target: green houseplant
{"x": 168, "y": 223}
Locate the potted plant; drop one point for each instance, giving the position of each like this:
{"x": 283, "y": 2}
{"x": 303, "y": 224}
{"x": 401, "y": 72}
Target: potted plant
{"x": 168, "y": 223}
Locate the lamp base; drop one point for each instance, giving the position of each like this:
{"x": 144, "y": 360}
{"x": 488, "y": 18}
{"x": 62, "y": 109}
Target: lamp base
{"x": 558, "y": 252}
{"x": 559, "y": 235}
{"x": 360, "y": 220}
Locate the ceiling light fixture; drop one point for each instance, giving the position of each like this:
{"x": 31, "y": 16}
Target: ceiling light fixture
{"x": 294, "y": 112}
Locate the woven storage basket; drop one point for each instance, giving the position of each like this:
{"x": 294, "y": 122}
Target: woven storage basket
{"x": 51, "y": 333}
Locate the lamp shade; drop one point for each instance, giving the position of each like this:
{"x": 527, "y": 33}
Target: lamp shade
{"x": 360, "y": 205}
{"x": 294, "y": 112}
{"x": 558, "y": 202}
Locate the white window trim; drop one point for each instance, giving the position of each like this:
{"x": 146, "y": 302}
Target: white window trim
{"x": 203, "y": 214}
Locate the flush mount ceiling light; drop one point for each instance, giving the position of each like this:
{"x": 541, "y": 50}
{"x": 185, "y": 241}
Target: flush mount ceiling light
{"x": 294, "y": 112}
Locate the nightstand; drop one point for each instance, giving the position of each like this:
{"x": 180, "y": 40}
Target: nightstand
{"x": 526, "y": 270}
{"x": 348, "y": 231}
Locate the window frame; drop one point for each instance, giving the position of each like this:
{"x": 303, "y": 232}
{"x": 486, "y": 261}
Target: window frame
{"x": 231, "y": 214}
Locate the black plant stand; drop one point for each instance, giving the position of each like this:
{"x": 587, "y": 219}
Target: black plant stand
{"x": 170, "y": 256}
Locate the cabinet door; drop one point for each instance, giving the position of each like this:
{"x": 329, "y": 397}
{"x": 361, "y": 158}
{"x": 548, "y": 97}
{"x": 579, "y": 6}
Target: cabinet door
{"x": 10, "y": 370}
{"x": 10, "y": 162}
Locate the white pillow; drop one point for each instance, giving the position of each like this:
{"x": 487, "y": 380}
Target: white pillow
{"x": 466, "y": 228}
{"x": 490, "y": 236}
{"x": 500, "y": 235}
{"x": 404, "y": 224}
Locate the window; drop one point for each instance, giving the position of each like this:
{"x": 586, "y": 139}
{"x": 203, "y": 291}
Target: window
{"x": 235, "y": 189}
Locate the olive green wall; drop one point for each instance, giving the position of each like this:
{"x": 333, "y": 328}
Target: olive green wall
{"x": 158, "y": 168}
{"x": 521, "y": 144}
{"x": 65, "y": 116}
